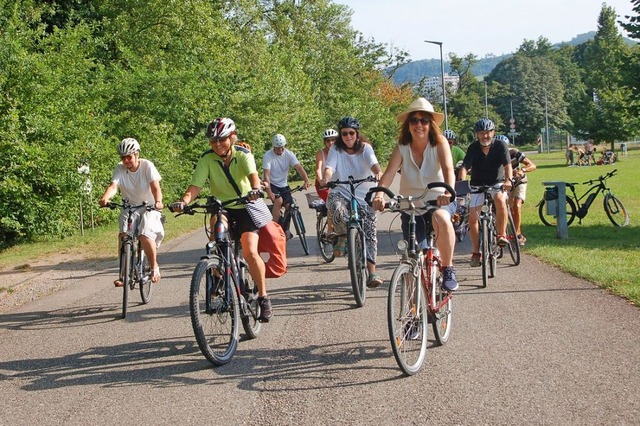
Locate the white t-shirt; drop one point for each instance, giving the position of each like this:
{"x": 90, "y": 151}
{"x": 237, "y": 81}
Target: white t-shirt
{"x": 357, "y": 165}
{"x": 278, "y": 166}
{"x": 135, "y": 186}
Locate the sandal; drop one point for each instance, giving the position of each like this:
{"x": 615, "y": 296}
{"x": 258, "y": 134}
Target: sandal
{"x": 340, "y": 247}
{"x": 118, "y": 283}
{"x": 502, "y": 240}
{"x": 374, "y": 281}
{"x": 155, "y": 275}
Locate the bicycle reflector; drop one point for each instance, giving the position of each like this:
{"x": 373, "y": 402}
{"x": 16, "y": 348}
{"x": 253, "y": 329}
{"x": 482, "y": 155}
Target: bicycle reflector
{"x": 485, "y": 208}
{"x": 402, "y": 245}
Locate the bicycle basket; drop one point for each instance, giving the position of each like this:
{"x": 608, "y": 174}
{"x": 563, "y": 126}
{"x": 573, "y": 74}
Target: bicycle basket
{"x": 551, "y": 193}
{"x": 314, "y": 201}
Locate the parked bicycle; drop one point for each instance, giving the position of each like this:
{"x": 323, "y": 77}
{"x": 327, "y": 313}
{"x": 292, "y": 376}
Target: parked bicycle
{"x": 134, "y": 267}
{"x": 222, "y": 292}
{"x": 578, "y": 206}
{"x": 356, "y": 247}
{"x": 490, "y": 251}
{"x": 416, "y": 296}
{"x": 325, "y": 240}
{"x": 292, "y": 214}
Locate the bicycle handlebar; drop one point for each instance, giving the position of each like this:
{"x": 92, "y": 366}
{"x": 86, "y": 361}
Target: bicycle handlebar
{"x": 296, "y": 189}
{"x": 213, "y": 205}
{"x": 601, "y": 178}
{"x": 126, "y": 205}
{"x": 397, "y": 198}
{"x": 350, "y": 180}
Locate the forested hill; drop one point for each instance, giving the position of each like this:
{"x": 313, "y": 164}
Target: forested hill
{"x": 415, "y": 70}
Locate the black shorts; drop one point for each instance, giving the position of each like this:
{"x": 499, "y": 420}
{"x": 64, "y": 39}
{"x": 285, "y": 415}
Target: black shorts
{"x": 241, "y": 220}
{"x": 284, "y": 192}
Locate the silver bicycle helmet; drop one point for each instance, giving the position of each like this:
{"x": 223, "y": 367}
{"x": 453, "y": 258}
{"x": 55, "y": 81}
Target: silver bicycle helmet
{"x": 484, "y": 124}
{"x": 450, "y": 134}
{"x": 278, "y": 141}
{"x": 329, "y": 133}
{"x": 503, "y": 138}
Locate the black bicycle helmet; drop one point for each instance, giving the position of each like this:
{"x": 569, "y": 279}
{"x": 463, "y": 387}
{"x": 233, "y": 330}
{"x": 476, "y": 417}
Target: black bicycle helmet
{"x": 483, "y": 125}
{"x": 349, "y": 122}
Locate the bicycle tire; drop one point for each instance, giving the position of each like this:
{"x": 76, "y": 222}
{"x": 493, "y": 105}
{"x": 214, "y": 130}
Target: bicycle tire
{"x": 616, "y": 211}
{"x": 216, "y": 330}
{"x": 326, "y": 247}
{"x": 127, "y": 276}
{"x": 514, "y": 245}
{"x": 551, "y": 220}
{"x": 144, "y": 278}
{"x": 407, "y": 319}
{"x": 300, "y": 230}
{"x": 441, "y": 315}
{"x": 484, "y": 251}
{"x": 493, "y": 248}
{"x": 357, "y": 265}
{"x": 250, "y": 323}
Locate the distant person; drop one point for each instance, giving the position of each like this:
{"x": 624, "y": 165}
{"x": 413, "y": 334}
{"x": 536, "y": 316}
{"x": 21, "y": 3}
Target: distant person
{"x": 457, "y": 153}
{"x": 329, "y": 136}
{"x": 568, "y": 155}
{"x": 138, "y": 181}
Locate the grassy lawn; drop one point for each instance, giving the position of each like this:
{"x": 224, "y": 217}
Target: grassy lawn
{"x": 595, "y": 250}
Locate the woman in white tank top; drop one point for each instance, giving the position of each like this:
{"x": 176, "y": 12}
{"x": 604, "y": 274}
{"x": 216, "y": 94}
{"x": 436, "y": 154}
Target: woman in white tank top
{"x": 423, "y": 156}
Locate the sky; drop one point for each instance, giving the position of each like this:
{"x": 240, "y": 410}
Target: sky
{"x": 480, "y": 27}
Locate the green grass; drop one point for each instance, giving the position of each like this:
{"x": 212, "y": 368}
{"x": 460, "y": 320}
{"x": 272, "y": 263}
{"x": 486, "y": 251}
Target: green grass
{"x": 595, "y": 250}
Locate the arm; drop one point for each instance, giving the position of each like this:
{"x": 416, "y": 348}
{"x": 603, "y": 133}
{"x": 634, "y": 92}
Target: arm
{"x": 267, "y": 183}
{"x": 446, "y": 163}
{"x": 157, "y": 194}
{"x": 111, "y": 190}
{"x": 319, "y": 165}
{"x": 302, "y": 173}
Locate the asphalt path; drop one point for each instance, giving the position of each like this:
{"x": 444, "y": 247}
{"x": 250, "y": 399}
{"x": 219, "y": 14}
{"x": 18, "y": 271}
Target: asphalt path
{"x": 537, "y": 346}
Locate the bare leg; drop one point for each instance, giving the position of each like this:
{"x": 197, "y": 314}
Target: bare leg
{"x": 149, "y": 247}
{"x": 249, "y": 241}
{"x": 445, "y": 236}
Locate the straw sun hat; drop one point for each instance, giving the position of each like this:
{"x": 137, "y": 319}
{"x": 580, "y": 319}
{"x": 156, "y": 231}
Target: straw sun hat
{"x": 423, "y": 105}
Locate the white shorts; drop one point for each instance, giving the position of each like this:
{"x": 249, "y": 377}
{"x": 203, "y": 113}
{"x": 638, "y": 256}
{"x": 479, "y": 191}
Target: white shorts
{"x": 149, "y": 225}
{"x": 478, "y": 199}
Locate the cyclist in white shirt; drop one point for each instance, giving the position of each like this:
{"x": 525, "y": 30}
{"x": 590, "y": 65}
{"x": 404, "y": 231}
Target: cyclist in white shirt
{"x": 139, "y": 181}
{"x": 275, "y": 165}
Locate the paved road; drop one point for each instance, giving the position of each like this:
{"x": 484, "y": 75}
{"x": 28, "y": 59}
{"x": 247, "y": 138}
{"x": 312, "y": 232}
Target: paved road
{"x": 536, "y": 347}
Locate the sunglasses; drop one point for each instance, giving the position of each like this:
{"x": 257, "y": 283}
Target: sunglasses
{"x": 218, "y": 140}
{"x": 416, "y": 120}
{"x": 349, "y": 133}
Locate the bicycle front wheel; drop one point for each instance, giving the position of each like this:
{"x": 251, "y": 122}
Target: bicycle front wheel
{"x": 407, "y": 319}
{"x": 512, "y": 236}
{"x": 214, "y": 312}
{"x": 144, "y": 277}
{"x": 357, "y": 265}
{"x": 126, "y": 272}
{"x": 616, "y": 211}
{"x": 484, "y": 250}
{"x": 552, "y": 219}
{"x": 326, "y": 246}
{"x": 300, "y": 230}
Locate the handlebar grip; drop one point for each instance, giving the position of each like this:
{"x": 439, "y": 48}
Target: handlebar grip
{"x": 375, "y": 189}
{"x": 444, "y": 185}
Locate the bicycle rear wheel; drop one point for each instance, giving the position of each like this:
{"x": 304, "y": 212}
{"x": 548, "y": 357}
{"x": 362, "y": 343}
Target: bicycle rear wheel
{"x": 616, "y": 211}
{"x": 214, "y": 312}
{"x": 126, "y": 272}
{"x": 250, "y": 323}
{"x": 552, "y": 220}
{"x": 326, "y": 246}
{"x": 357, "y": 265}
{"x": 514, "y": 245}
{"x": 300, "y": 230}
{"x": 442, "y": 310}
{"x": 492, "y": 248}
{"x": 145, "y": 277}
{"x": 407, "y": 319}
{"x": 484, "y": 251}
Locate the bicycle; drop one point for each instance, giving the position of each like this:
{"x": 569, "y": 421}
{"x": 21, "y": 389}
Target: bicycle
{"x": 419, "y": 273}
{"x": 579, "y": 206}
{"x": 222, "y": 293}
{"x": 490, "y": 251}
{"x": 356, "y": 247}
{"x": 461, "y": 217}
{"x": 134, "y": 267}
{"x": 325, "y": 241}
{"x": 292, "y": 214}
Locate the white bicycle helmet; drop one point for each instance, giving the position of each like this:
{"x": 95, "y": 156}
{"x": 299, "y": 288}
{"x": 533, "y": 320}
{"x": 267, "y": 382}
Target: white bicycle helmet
{"x": 450, "y": 134}
{"x": 503, "y": 138}
{"x": 128, "y": 146}
{"x": 221, "y": 128}
{"x": 329, "y": 133}
{"x": 278, "y": 141}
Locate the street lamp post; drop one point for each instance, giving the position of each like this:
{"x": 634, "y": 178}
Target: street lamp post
{"x": 444, "y": 93}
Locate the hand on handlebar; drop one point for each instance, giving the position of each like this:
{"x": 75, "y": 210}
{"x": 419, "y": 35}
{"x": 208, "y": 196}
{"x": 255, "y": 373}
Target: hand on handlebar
{"x": 177, "y": 207}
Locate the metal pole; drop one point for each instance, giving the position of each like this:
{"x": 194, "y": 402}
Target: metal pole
{"x": 444, "y": 91}
{"x": 546, "y": 121}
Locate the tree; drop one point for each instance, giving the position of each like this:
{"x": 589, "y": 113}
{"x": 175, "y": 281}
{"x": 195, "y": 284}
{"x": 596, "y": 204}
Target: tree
{"x": 632, "y": 25}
